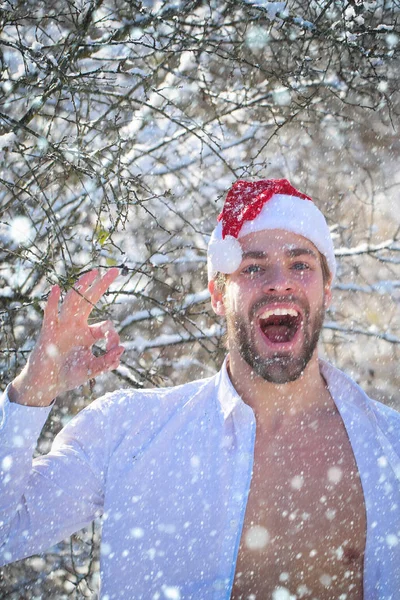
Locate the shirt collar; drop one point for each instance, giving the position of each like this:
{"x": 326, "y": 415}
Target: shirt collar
{"x": 339, "y": 385}
{"x": 227, "y": 396}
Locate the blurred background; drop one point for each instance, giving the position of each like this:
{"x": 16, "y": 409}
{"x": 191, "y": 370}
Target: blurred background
{"x": 123, "y": 124}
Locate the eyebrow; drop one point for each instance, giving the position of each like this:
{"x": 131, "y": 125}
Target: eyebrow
{"x": 254, "y": 254}
{"x": 301, "y": 252}
{"x": 291, "y": 252}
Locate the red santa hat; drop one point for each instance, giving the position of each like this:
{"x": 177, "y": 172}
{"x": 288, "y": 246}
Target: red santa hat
{"x": 262, "y": 205}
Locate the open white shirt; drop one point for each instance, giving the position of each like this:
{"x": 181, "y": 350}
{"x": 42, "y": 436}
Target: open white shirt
{"x": 170, "y": 471}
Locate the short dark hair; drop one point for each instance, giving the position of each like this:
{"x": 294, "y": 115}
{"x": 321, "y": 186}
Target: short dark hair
{"x": 326, "y": 274}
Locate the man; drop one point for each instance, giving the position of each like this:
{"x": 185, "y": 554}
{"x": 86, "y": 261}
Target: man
{"x": 276, "y": 479}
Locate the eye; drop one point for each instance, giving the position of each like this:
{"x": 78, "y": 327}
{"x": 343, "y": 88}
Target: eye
{"x": 252, "y": 270}
{"x": 301, "y": 266}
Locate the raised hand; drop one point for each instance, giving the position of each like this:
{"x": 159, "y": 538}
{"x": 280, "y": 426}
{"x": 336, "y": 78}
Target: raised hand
{"x": 62, "y": 358}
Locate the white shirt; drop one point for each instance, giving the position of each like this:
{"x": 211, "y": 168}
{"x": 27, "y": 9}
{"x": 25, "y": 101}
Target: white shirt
{"x": 170, "y": 471}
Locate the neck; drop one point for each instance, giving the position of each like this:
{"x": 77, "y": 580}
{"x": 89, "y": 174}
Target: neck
{"x": 270, "y": 400}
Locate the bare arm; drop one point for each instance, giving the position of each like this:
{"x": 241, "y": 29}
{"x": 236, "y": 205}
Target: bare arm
{"x": 62, "y": 358}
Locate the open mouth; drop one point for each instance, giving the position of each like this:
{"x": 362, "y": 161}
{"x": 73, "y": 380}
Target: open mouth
{"x": 280, "y": 325}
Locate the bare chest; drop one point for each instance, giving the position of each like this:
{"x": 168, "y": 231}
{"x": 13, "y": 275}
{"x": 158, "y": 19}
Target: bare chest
{"x": 305, "y": 526}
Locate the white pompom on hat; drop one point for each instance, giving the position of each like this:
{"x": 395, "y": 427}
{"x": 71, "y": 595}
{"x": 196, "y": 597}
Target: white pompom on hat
{"x": 262, "y": 205}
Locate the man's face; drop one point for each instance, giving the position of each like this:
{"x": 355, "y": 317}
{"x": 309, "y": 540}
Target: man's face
{"x": 275, "y": 304}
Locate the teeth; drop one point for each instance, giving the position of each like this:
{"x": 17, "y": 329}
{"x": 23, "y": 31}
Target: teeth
{"x": 291, "y": 312}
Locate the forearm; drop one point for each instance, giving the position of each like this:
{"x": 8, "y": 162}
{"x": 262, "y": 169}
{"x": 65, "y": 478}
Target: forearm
{"x": 45, "y": 500}
{"x": 27, "y": 389}
{"x": 19, "y": 430}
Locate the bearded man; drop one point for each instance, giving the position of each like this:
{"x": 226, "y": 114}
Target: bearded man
{"x": 278, "y": 478}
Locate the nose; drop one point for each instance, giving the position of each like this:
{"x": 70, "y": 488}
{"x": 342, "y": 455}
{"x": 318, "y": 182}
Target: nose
{"x": 277, "y": 280}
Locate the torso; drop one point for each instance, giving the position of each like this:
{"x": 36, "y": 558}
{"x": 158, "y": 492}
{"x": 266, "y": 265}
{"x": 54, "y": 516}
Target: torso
{"x": 305, "y": 524}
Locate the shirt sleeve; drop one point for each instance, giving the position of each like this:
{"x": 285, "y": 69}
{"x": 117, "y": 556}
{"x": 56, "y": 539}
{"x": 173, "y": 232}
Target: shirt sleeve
{"x": 47, "y": 499}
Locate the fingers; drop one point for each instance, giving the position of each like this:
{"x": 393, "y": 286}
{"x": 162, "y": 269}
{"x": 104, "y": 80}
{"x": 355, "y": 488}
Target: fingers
{"x": 101, "y": 285}
{"x": 106, "y": 362}
{"x": 76, "y": 296}
{"x": 51, "y": 308}
{"x": 105, "y": 330}
{"x": 85, "y": 281}
{"x": 80, "y": 301}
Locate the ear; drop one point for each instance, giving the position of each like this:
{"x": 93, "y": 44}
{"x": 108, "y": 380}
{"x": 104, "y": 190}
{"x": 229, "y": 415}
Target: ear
{"x": 217, "y": 298}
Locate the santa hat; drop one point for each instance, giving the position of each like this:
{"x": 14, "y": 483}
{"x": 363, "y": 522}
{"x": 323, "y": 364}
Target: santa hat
{"x": 262, "y": 205}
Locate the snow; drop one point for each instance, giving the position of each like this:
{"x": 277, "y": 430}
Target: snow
{"x": 143, "y": 315}
{"x": 381, "y": 287}
{"x": 195, "y": 461}
{"x": 256, "y": 537}
{"x": 159, "y": 259}
{"x": 42, "y": 144}
{"x": 37, "y": 102}
{"x": 388, "y": 337}
{"x": 187, "y": 61}
{"x": 282, "y": 593}
{"x": 335, "y": 474}
{"x": 7, "y": 140}
{"x": 141, "y": 344}
{"x": 137, "y": 533}
{"x": 37, "y": 563}
{"x": 330, "y": 514}
{"x": 18, "y": 441}
{"x": 365, "y": 247}
{"x": 297, "y": 482}
{"x": 339, "y": 552}
{"x": 383, "y": 27}
{"x": 392, "y": 540}
{"x": 6, "y": 463}
{"x": 256, "y": 37}
{"x": 272, "y": 8}
{"x": 52, "y": 59}
{"x": 281, "y": 96}
{"x": 303, "y": 23}
{"x": 392, "y": 40}
{"x": 326, "y": 580}
{"x": 192, "y": 170}
{"x": 349, "y": 13}
{"x": 7, "y": 87}
{"x": 171, "y": 592}
{"x": 21, "y": 230}
{"x": 52, "y": 351}
{"x": 105, "y": 549}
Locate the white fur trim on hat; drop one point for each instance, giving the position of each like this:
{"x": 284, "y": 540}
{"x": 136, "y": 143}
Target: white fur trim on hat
{"x": 289, "y": 213}
{"x": 225, "y": 255}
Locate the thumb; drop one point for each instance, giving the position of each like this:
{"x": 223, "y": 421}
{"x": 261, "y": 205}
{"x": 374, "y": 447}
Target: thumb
{"x": 105, "y": 330}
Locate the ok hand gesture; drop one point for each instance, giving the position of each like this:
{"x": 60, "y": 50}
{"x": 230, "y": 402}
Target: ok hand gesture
{"x": 62, "y": 358}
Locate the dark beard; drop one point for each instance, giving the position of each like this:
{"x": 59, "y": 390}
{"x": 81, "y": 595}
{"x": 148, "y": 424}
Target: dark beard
{"x": 281, "y": 367}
